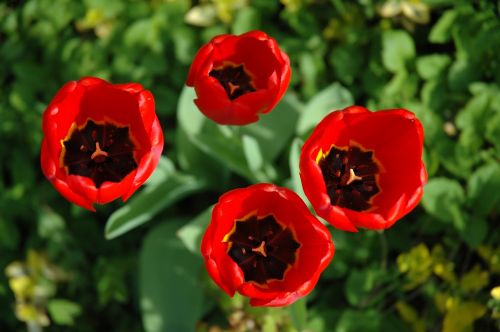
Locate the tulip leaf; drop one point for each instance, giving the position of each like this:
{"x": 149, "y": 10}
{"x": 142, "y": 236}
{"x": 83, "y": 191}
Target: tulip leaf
{"x": 171, "y": 296}
{"x": 166, "y": 187}
{"x": 192, "y": 232}
{"x": 225, "y": 143}
{"x": 294, "y": 161}
{"x": 274, "y": 130}
{"x": 298, "y": 314}
{"x": 334, "y": 97}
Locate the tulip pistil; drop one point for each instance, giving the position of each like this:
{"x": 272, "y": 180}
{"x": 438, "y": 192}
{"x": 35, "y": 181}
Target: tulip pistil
{"x": 350, "y": 177}
{"x": 262, "y": 248}
{"x": 100, "y": 151}
{"x": 235, "y": 80}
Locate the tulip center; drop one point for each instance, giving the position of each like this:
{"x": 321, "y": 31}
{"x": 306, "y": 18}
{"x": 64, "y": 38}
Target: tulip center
{"x": 235, "y": 80}
{"x": 102, "y": 152}
{"x": 350, "y": 177}
{"x": 262, "y": 248}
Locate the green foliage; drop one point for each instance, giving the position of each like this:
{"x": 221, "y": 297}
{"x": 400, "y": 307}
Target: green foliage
{"x": 431, "y": 271}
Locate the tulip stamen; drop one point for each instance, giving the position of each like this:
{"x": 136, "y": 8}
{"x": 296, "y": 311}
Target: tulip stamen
{"x": 99, "y": 155}
{"x": 350, "y": 177}
{"x": 99, "y": 151}
{"x": 262, "y": 248}
{"x": 235, "y": 80}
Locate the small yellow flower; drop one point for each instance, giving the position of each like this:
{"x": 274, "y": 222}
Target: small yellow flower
{"x": 495, "y": 293}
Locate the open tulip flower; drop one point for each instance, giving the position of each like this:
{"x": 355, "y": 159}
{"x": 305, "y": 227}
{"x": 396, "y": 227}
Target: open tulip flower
{"x": 264, "y": 243}
{"x": 364, "y": 169}
{"x": 101, "y": 141}
{"x": 236, "y": 78}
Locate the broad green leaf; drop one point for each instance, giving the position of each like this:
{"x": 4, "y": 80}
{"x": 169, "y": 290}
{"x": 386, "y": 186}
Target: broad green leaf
{"x": 50, "y": 225}
{"x": 246, "y": 19}
{"x": 274, "y": 130}
{"x": 397, "y": 48}
{"x": 462, "y": 73}
{"x": 225, "y": 143}
{"x": 430, "y": 66}
{"x": 171, "y": 295}
{"x": 253, "y": 155}
{"x": 443, "y": 198}
{"x": 441, "y": 31}
{"x": 166, "y": 187}
{"x": 359, "y": 284}
{"x": 492, "y": 133}
{"x": 483, "y": 189}
{"x": 334, "y": 97}
{"x": 192, "y": 232}
{"x": 63, "y": 312}
{"x": 355, "y": 321}
{"x": 347, "y": 62}
{"x": 475, "y": 231}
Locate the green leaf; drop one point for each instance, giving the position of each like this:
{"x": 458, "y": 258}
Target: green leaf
{"x": 51, "y": 225}
{"x": 294, "y": 163}
{"x": 63, "y": 312}
{"x": 246, "y": 19}
{"x": 397, "y": 48}
{"x": 347, "y": 62}
{"x": 298, "y": 314}
{"x": 431, "y": 66}
{"x": 443, "y": 198}
{"x": 441, "y": 31}
{"x": 483, "y": 189}
{"x": 334, "y": 97}
{"x": 225, "y": 143}
{"x": 475, "y": 231}
{"x": 355, "y": 321}
{"x": 492, "y": 133}
{"x": 359, "y": 284}
{"x": 166, "y": 187}
{"x": 192, "y": 233}
{"x": 171, "y": 296}
{"x": 275, "y": 129}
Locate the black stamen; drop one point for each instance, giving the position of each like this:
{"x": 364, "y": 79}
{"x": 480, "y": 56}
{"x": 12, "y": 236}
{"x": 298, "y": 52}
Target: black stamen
{"x": 262, "y": 248}
{"x": 234, "y": 79}
{"x": 350, "y": 177}
{"x": 102, "y": 152}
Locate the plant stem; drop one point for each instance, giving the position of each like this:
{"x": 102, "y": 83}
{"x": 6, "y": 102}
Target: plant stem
{"x": 384, "y": 250}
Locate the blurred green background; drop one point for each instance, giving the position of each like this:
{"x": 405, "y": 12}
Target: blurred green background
{"x": 66, "y": 269}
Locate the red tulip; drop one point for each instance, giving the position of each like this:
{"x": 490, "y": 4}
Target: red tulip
{"x": 236, "y": 78}
{"x": 264, "y": 243}
{"x": 364, "y": 169}
{"x": 101, "y": 141}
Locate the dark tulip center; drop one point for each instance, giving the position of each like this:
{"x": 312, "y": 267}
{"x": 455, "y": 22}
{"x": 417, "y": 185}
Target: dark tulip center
{"x": 262, "y": 248}
{"x": 350, "y": 177}
{"x": 102, "y": 152}
{"x": 235, "y": 80}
